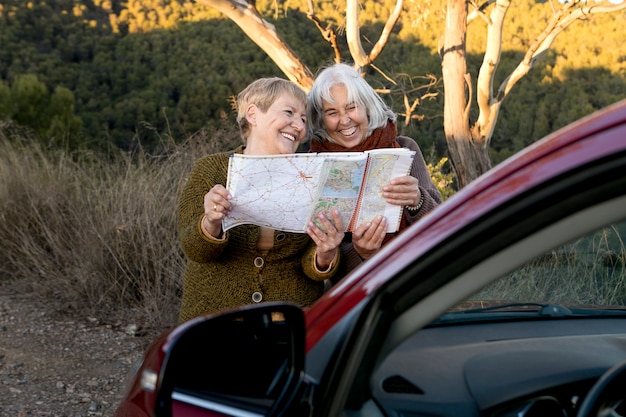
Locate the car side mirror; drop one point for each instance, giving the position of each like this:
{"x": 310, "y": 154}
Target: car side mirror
{"x": 243, "y": 362}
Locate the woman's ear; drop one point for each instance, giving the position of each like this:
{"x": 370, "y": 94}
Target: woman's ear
{"x": 251, "y": 113}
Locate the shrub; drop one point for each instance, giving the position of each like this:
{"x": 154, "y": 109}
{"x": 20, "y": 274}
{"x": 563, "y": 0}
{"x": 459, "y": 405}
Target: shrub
{"x": 96, "y": 234}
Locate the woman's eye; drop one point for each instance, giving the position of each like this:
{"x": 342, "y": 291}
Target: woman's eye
{"x": 289, "y": 112}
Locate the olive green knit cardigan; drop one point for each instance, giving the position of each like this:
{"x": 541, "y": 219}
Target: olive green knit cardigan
{"x": 226, "y": 273}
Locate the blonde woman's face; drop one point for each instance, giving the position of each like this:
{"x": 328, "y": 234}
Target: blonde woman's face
{"x": 344, "y": 121}
{"x": 279, "y": 130}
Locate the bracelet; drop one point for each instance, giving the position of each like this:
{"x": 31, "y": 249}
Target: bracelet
{"x": 206, "y": 233}
{"x": 419, "y": 205}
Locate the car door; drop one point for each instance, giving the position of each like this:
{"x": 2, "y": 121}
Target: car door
{"x": 574, "y": 186}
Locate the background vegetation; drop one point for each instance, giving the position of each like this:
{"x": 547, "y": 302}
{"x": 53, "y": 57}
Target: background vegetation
{"x": 96, "y": 236}
{"x": 106, "y": 104}
{"x": 95, "y": 73}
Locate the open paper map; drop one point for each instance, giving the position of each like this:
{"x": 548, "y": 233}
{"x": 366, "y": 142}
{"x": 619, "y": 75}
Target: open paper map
{"x": 285, "y": 192}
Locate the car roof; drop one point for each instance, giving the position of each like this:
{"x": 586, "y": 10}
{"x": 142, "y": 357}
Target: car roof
{"x": 577, "y": 144}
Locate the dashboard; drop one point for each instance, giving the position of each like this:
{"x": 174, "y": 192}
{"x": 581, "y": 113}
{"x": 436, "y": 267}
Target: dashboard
{"x": 526, "y": 368}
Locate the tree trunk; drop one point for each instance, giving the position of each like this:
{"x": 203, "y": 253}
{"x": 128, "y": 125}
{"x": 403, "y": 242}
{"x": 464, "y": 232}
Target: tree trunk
{"x": 468, "y": 158}
{"x": 467, "y": 146}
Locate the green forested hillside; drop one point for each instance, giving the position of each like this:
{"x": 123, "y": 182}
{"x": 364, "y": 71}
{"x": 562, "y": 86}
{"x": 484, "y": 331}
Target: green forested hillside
{"x": 99, "y": 72}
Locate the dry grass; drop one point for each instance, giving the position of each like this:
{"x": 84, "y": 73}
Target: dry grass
{"x": 96, "y": 235}
{"x": 590, "y": 270}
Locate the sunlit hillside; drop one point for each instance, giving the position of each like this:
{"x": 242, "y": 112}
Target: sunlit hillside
{"x": 142, "y": 73}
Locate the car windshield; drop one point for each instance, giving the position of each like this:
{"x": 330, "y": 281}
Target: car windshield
{"x": 584, "y": 277}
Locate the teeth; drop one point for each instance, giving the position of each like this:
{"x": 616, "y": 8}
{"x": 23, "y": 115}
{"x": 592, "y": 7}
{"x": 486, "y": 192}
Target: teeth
{"x": 289, "y": 137}
{"x": 348, "y": 132}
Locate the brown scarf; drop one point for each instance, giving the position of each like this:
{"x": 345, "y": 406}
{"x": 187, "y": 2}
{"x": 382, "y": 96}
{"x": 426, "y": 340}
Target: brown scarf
{"x": 383, "y": 137}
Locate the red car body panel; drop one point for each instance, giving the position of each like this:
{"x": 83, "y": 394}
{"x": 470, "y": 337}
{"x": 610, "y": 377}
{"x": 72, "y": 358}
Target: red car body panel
{"x": 139, "y": 402}
{"x": 590, "y": 138}
{"x": 586, "y": 140}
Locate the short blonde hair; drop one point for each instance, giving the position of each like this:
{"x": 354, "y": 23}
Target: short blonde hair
{"x": 263, "y": 92}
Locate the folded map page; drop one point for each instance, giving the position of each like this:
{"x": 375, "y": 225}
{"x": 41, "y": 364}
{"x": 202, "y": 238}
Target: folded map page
{"x": 286, "y": 192}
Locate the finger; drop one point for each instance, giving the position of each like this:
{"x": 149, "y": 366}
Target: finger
{"x": 401, "y": 198}
{"x": 368, "y": 245}
{"x": 400, "y": 189}
{"x": 381, "y": 229}
{"x": 376, "y": 224}
{"x": 313, "y": 236}
{"x": 215, "y": 216}
{"x": 401, "y": 185}
{"x": 320, "y": 240}
{"x": 338, "y": 221}
{"x": 406, "y": 180}
{"x": 215, "y": 203}
{"x": 335, "y": 231}
{"x": 221, "y": 191}
{"x": 316, "y": 233}
{"x": 326, "y": 224}
{"x": 333, "y": 228}
{"x": 360, "y": 231}
{"x": 372, "y": 233}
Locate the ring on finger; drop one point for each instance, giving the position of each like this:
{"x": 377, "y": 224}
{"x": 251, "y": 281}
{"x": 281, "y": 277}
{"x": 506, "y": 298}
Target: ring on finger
{"x": 214, "y": 207}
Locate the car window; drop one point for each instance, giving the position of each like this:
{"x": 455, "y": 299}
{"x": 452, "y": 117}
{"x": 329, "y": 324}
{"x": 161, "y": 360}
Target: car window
{"x": 587, "y": 272}
{"x": 530, "y": 343}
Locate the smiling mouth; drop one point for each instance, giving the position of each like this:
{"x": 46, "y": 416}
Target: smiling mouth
{"x": 289, "y": 137}
{"x": 348, "y": 132}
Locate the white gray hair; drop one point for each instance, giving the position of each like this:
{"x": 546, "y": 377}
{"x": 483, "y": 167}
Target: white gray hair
{"x": 359, "y": 92}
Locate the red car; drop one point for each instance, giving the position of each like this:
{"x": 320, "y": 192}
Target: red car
{"x": 507, "y": 300}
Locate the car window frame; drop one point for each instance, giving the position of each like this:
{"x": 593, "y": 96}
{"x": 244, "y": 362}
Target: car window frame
{"x": 366, "y": 346}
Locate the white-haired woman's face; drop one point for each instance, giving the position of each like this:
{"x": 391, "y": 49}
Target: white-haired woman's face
{"x": 344, "y": 121}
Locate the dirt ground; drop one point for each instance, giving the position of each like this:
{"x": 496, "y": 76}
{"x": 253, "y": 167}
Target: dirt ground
{"x": 55, "y": 365}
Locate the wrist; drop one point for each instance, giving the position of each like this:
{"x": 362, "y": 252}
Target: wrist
{"x": 418, "y": 206}
{"x": 209, "y": 230}
{"x": 324, "y": 262}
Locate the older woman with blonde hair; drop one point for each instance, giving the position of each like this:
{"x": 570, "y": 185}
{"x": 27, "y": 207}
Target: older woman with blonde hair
{"x": 252, "y": 264}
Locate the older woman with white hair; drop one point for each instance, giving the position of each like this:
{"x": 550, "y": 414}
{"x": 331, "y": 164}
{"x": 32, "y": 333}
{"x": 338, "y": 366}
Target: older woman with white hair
{"x": 345, "y": 114}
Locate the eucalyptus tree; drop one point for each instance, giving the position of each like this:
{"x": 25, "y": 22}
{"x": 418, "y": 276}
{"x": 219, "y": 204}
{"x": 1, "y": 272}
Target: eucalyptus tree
{"x": 468, "y": 140}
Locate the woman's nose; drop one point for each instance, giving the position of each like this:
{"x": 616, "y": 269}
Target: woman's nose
{"x": 298, "y": 124}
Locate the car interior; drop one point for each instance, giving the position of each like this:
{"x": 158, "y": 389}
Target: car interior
{"x": 503, "y": 365}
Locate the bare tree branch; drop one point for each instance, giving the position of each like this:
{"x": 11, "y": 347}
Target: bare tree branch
{"x": 467, "y": 146}
{"x": 491, "y": 60}
{"x": 328, "y": 33}
{"x": 488, "y": 103}
{"x": 261, "y": 32}
{"x": 384, "y": 36}
{"x": 353, "y": 33}
{"x": 559, "y": 22}
{"x": 479, "y": 11}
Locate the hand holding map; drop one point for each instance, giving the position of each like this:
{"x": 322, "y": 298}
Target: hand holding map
{"x": 284, "y": 192}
